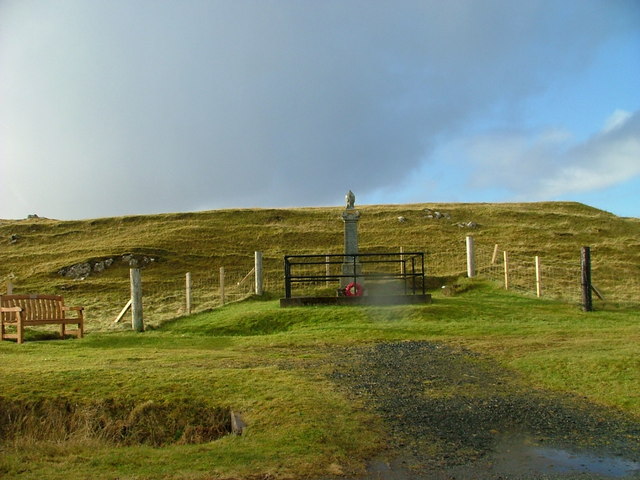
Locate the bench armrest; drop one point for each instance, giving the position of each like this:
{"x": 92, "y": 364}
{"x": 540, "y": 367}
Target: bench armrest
{"x": 10, "y": 309}
{"x": 79, "y": 309}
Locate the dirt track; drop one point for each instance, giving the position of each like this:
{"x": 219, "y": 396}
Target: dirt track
{"x": 455, "y": 414}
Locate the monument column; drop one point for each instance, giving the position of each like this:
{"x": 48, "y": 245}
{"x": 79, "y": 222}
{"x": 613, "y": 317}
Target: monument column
{"x": 350, "y": 217}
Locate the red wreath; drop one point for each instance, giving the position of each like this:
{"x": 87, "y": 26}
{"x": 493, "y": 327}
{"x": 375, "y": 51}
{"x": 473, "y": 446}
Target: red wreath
{"x": 353, "y": 290}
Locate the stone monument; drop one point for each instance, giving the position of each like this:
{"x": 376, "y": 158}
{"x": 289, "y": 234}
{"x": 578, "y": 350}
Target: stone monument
{"x": 350, "y": 217}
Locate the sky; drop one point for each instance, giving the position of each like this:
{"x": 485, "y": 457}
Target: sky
{"x": 121, "y": 107}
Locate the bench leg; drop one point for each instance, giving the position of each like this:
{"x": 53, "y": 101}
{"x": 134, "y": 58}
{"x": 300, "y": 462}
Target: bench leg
{"x": 20, "y": 332}
{"x": 80, "y": 324}
{"x": 78, "y": 333}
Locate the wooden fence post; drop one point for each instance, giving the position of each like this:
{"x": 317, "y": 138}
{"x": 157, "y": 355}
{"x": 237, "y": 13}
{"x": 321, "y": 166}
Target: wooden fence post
{"x": 538, "y": 277}
{"x": 327, "y": 269}
{"x": 402, "y": 264}
{"x": 471, "y": 260}
{"x": 123, "y": 311}
{"x": 188, "y": 292}
{"x": 258, "y": 272}
{"x": 587, "y": 299}
{"x": 221, "y": 285}
{"x": 9, "y": 287}
{"x": 506, "y": 270}
{"x": 494, "y": 257}
{"x": 137, "y": 323}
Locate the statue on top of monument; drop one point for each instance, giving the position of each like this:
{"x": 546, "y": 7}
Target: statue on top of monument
{"x": 351, "y": 200}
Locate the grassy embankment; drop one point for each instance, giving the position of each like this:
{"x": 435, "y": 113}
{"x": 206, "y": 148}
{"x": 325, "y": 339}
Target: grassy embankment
{"x": 270, "y": 364}
{"x": 202, "y": 242}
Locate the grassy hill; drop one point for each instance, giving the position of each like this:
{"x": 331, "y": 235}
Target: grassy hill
{"x": 34, "y": 251}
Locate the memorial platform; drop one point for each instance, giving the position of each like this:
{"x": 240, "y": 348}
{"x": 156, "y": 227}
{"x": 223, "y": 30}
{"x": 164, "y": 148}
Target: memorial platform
{"x": 364, "y": 300}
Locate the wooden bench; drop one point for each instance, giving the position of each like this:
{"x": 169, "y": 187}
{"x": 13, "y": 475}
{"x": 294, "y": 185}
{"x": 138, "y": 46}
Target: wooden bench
{"x": 21, "y": 311}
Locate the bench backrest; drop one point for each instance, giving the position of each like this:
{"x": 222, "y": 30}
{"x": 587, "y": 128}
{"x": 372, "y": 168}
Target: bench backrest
{"x": 36, "y": 307}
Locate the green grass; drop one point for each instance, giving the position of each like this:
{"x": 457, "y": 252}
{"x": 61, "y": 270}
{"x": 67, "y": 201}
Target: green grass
{"x": 270, "y": 364}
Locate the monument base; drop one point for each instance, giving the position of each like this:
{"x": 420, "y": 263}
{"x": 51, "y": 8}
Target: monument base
{"x": 364, "y": 300}
{"x": 348, "y": 270}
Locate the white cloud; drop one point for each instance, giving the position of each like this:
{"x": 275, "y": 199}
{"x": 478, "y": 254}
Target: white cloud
{"x": 615, "y": 120}
{"x": 550, "y": 164}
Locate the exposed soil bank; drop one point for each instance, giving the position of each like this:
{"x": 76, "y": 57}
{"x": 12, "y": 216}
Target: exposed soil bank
{"x": 455, "y": 414}
{"x": 111, "y": 421}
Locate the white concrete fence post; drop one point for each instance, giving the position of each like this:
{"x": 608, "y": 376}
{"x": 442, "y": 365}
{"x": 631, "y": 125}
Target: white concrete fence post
{"x": 471, "y": 260}
{"x": 137, "y": 322}
{"x": 188, "y": 292}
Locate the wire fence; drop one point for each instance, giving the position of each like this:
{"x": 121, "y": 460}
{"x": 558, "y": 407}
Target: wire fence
{"x": 543, "y": 276}
{"x": 187, "y": 294}
{"x": 616, "y": 283}
{"x": 547, "y": 276}
{"x": 557, "y": 277}
{"x": 533, "y": 275}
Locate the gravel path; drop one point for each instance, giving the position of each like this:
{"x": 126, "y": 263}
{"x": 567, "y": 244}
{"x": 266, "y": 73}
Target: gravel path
{"x": 452, "y": 413}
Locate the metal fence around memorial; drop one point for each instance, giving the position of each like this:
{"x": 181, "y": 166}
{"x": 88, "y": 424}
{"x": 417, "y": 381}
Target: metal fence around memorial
{"x": 379, "y": 273}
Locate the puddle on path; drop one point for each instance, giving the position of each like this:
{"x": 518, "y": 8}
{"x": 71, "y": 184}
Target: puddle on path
{"x": 521, "y": 455}
{"x": 516, "y": 457}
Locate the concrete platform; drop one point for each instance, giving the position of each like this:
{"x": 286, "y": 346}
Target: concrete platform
{"x": 365, "y": 300}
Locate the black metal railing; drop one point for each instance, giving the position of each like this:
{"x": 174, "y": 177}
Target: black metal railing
{"x": 407, "y": 268}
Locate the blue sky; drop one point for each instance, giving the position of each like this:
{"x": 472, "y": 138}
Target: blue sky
{"x": 117, "y": 107}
